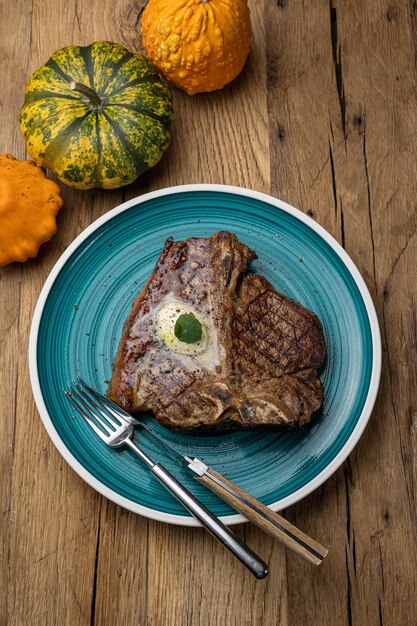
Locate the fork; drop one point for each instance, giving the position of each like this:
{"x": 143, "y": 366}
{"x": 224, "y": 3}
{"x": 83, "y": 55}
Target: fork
{"x": 116, "y": 431}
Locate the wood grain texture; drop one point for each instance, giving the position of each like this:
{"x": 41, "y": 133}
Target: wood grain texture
{"x": 324, "y": 116}
{"x": 271, "y": 523}
{"x": 354, "y": 76}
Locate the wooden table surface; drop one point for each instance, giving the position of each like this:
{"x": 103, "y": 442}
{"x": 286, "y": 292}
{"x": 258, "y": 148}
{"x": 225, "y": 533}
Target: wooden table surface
{"x": 324, "y": 116}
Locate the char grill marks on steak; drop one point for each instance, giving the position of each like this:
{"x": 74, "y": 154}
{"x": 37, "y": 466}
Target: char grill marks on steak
{"x": 261, "y": 368}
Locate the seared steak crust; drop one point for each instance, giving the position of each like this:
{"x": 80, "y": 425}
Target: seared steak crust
{"x": 261, "y": 370}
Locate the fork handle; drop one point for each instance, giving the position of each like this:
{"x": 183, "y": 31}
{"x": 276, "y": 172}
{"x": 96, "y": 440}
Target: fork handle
{"x": 245, "y": 555}
{"x": 263, "y": 517}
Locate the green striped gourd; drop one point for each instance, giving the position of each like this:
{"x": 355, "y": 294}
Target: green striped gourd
{"x": 97, "y": 116}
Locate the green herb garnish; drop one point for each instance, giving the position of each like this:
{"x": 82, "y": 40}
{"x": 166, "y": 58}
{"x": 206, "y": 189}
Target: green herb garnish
{"x": 188, "y": 329}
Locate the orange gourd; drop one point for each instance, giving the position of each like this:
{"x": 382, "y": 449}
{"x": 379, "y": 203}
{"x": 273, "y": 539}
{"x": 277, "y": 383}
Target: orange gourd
{"x": 29, "y": 203}
{"x": 198, "y": 45}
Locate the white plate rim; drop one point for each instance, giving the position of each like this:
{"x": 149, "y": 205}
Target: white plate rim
{"x": 227, "y": 519}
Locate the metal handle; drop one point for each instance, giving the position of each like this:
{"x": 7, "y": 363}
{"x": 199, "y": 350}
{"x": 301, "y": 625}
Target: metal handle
{"x": 245, "y": 555}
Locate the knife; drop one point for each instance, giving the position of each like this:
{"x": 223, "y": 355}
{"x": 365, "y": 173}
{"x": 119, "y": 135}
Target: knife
{"x": 258, "y": 513}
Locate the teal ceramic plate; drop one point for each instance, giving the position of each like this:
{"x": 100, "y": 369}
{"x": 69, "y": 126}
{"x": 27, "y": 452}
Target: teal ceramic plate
{"x": 78, "y": 322}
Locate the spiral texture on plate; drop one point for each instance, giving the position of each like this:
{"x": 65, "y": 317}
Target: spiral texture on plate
{"x": 86, "y": 306}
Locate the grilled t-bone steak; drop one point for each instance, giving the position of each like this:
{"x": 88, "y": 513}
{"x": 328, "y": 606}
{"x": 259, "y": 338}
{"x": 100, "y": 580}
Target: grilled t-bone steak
{"x": 258, "y": 366}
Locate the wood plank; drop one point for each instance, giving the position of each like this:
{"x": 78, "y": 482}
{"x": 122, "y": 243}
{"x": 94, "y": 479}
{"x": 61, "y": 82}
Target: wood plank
{"x": 302, "y": 97}
{"x": 13, "y": 51}
{"x": 54, "y": 530}
{"x": 369, "y": 132}
{"x": 380, "y": 40}
{"x": 121, "y": 588}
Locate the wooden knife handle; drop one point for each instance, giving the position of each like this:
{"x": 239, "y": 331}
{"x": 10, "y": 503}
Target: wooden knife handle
{"x": 262, "y": 516}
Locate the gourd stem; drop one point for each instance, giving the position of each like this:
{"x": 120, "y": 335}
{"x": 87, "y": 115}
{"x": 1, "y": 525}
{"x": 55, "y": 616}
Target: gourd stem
{"x": 92, "y": 97}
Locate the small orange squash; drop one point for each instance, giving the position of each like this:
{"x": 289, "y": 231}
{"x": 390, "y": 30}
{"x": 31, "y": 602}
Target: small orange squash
{"x": 29, "y": 203}
{"x": 198, "y": 45}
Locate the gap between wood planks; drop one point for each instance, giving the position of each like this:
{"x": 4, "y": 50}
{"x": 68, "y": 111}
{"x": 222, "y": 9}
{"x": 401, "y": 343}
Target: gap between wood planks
{"x": 96, "y": 566}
